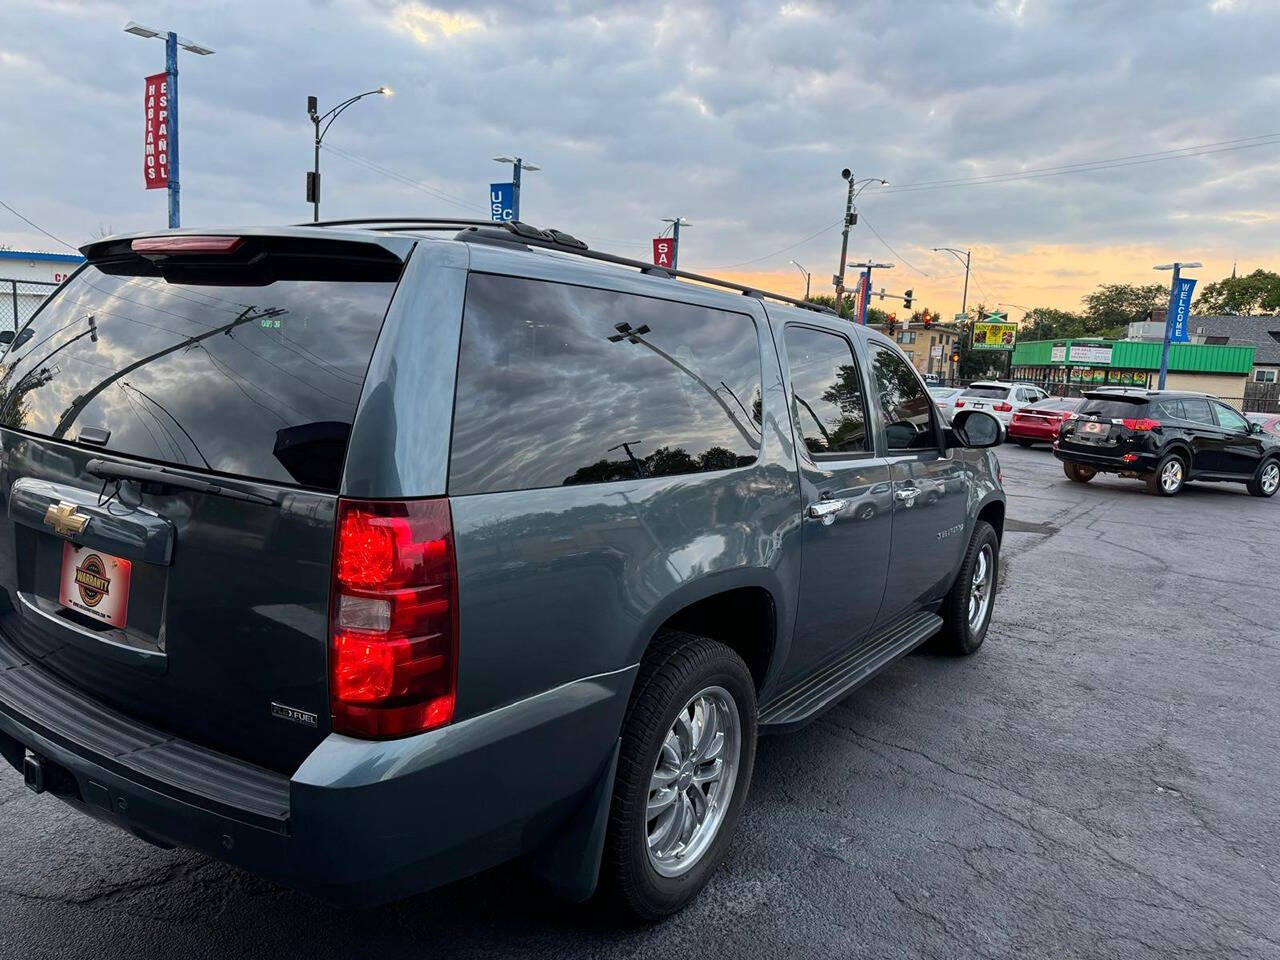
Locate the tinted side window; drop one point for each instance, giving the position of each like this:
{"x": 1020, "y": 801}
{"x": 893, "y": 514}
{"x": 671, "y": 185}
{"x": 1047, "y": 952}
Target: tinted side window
{"x": 1171, "y": 410}
{"x": 1229, "y": 419}
{"x": 828, "y": 405}
{"x": 560, "y": 384}
{"x": 905, "y": 405}
{"x": 1197, "y": 411}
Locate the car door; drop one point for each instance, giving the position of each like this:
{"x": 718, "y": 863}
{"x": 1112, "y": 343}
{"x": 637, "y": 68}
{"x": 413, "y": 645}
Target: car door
{"x": 1241, "y": 449}
{"x": 846, "y": 494}
{"x": 929, "y": 487}
{"x": 1208, "y": 439}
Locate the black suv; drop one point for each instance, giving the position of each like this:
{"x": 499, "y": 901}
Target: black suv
{"x": 1166, "y": 438}
{"x": 368, "y": 556}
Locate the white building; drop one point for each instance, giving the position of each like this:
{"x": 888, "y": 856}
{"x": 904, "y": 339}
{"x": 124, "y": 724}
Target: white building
{"x": 26, "y": 278}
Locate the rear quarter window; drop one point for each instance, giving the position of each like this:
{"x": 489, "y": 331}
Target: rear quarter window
{"x": 564, "y": 385}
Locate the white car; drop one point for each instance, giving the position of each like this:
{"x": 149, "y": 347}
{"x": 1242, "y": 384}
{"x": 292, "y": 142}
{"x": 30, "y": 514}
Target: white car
{"x": 999, "y": 398}
{"x": 944, "y": 397}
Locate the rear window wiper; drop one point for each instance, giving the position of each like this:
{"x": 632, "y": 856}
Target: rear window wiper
{"x": 120, "y": 471}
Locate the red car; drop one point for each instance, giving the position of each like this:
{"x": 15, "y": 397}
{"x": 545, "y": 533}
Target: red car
{"x": 1270, "y": 422}
{"x": 1039, "y": 423}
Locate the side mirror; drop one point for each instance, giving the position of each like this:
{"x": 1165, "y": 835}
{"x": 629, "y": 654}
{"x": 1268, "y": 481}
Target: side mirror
{"x": 975, "y": 429}
{"x": 7, "y": 336}
{"x": 1254, "y": 426}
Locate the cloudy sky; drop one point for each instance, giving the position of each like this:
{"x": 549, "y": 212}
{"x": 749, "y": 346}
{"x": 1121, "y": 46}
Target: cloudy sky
{"x": 736, "y": 115}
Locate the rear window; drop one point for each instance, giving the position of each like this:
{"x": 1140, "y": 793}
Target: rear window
{"x": 258, "y": 381}
{"x": 997, "y": 393}
{"x": 563, "y": 385}
{"x": 1114, "y": 408}
{"x": 1057, "y": 403}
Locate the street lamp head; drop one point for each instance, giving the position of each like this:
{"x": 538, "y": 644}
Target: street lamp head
{"x": 504, "y": 159}
{"x": 1180, "y": 266}
{"x": 846, "y": 173}
{"x": 385, "y": 91}
{"x": 192, "y": 47}
{"x": 138, "y": 30}
{"x": 530, "y": 166}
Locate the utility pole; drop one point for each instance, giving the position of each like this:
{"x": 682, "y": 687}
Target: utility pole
{"x": 171, "y": 44}
{"x": 313, "y": 111}
{"x": 675, "y": 238}
{"x": 1176, "y": 267}
{"x": 850, "y": 218}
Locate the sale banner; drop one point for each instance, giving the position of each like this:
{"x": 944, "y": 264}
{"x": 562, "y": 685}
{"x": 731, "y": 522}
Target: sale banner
{"x": 155, "y": 145}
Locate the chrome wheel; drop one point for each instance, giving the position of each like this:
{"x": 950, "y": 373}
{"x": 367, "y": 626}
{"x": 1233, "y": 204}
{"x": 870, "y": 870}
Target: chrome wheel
{"x": 1171, "y": 475}
{"x": 1270, "y": 478}
{"x": 984, "y": 569}
{"x": 692, "y": 782}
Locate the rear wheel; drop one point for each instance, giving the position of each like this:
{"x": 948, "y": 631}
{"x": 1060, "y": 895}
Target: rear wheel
{"x": 1079, "y": 473}
{"x": 1266, "y": 481}
{"x": 1022, "y": 442}
{"x": 688, "y": 748}
{"x": 967, "y": 609}
{"x": 1170, "y": 476}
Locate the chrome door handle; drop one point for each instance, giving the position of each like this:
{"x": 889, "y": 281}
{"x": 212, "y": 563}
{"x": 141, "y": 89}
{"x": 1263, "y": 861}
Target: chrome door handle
{"x": 826, "y": 510}
{"x": 907, "y": 494}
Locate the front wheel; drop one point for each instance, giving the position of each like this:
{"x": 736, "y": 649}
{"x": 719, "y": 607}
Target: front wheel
{"x": 967, "y": 609}
{"x": 688, "y": 748}
{"x": 1266, "y": 481}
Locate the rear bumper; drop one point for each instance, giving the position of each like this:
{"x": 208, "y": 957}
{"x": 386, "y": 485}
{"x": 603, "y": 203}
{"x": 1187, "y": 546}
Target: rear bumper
{"x": 360, "y": 822}
{"x": 1109, "y": 462}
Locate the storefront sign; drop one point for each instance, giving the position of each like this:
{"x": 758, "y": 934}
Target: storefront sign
{"x": 1091, "y": 353}
{"x": 995, "y": 336}
{"x": 155, "y": 145}
{"x": 1058, "y": 354}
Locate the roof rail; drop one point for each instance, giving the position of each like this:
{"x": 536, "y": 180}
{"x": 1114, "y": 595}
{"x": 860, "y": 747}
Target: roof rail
{"x": 551, "y": 239}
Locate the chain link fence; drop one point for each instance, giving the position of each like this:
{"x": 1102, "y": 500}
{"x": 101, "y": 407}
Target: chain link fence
{"x": 19, "y": 299}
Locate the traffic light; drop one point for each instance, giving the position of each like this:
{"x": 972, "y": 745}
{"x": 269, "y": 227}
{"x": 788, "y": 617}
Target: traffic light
{"x": 926, "y": 318}
{"x": 955, "y": 356}
{"x": 906, "y": 300}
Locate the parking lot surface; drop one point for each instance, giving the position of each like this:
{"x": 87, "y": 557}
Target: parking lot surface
{"x": 1100, "y": 780}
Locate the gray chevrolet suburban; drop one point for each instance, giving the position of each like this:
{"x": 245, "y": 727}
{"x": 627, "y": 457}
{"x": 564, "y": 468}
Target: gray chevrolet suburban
{"x": 367, "y": 555}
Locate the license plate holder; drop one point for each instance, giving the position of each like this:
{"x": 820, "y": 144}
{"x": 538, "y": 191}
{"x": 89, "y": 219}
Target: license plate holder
{"x": 1095, "y": 427}
{"x": 95, "y": 584}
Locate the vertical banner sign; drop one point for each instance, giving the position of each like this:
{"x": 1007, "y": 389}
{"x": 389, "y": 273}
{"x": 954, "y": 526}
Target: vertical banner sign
{"x": 1179, "y": 331}
{"x": 502, "y": 201}
{"x": 864, "y": 295}
{"x": 663, "y": 251}
{"x": 155, "y": 145}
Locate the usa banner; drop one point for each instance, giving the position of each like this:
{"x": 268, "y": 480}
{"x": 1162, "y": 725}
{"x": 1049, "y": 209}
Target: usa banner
{"x": 663, "y": 249}
{"x": 155, "y": 147}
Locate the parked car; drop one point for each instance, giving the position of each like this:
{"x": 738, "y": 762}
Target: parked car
{"x": 1166, "y": 438}
{"x": 1270, "y": 422}
{"x": 998, "y": 398}
{"x": 366, "y": 557}
{"x": 931, "y": 379}
{"x": 1039, "y": 422}
{"x": 944, "y": 398}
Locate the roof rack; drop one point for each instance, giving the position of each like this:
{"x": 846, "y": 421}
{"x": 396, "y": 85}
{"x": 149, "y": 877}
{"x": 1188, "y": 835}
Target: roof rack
{"x": 488, "y": 230}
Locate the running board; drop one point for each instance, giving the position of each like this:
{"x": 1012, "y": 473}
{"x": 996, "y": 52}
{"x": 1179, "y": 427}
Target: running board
{"x": 837, "y": 678}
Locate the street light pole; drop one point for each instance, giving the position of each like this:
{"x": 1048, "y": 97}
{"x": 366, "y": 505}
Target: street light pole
{"x": 171, "y": 44}
{"x": 313, "y": 111}
{"x": 850, "y": 218}
{"x": 676, "y": 223}
{"x": 1176, "y": 267}
{"x": 866, "y": 268}
{"x": 807, "y": 275}
{"x": 964, "y": 297}
{"x": 518, "y": 166}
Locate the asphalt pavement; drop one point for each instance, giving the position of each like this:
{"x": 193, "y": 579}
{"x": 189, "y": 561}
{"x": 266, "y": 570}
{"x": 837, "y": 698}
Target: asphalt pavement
{"x": 1100, "y": 780}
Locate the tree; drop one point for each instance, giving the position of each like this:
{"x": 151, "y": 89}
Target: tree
{"x": 1257, "y": 292}
{"x": 1048, "y": 323}
{"x": 1113, "y": 306}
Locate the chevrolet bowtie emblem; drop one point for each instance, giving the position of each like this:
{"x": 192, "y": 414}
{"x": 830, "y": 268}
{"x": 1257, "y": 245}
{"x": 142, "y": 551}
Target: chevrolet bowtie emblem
{"x": 64, "y": 519}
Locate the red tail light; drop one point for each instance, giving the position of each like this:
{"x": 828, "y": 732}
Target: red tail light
{"x": 186, "y": 244}
{"x": 1141, "y": 424}
{"x": 959, "y": 403}
{"x": 1003, "y": 406}
{"x": 393, "y": 628}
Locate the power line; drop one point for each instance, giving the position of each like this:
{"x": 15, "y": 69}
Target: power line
{"x": 893, "y": 251}
{"x": 743, "y": 263}
{"x": 1091, "y": 166}
{"x": 408, "y": 181}
{"x": 38, "y": 227}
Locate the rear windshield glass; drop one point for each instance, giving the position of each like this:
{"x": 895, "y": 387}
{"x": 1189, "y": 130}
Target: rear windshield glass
{"x": 256, "y": 381}
{"x": 1117, "y": 408}
{"x": 995, "y": 392}
{"x": 1057, "y": 403}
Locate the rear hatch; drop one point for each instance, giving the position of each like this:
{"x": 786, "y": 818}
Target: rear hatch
{"x": 1109, "y": 424}
{"x": 173, "y": 428}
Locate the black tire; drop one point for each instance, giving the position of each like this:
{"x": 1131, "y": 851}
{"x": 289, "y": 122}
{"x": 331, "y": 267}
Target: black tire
{"x": 958, "y": 636}
{"x": 1266, "y": 469}
{"x": 676, "y": 668}
{"x": 1155, "y": 481}
{"x": 1022, "y": 442}
{"x": 1078, "y": 472}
